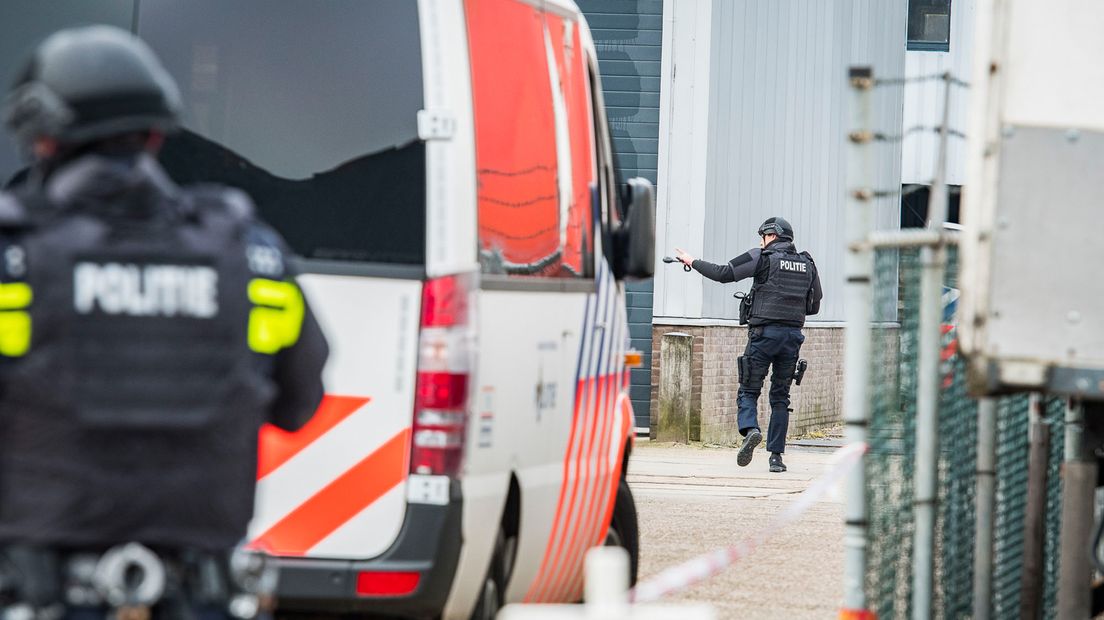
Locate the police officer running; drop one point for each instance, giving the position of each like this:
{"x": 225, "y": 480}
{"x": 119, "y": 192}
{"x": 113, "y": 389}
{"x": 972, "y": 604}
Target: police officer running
{"x": 786, "y": 288}
{"x": 147, "y": 331}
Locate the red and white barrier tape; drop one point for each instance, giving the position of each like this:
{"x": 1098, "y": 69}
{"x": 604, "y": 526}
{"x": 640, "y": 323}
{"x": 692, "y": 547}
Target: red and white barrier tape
{"x": 713, "y": 563}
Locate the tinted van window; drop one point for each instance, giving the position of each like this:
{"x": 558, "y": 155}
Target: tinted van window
{"x": 309, "y": 107}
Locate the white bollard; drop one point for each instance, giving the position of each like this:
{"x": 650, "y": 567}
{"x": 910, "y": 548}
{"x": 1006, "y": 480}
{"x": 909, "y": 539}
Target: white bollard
{"x": 606, "y": 593}
{"x": 606, "y": 590}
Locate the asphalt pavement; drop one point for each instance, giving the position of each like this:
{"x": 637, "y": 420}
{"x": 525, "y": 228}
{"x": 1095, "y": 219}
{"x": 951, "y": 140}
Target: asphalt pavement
{"x": 692, "y": 500}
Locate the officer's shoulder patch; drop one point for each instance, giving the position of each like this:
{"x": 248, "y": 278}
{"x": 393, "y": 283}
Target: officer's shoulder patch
{"x": 12, "y": 212}
{"x": 238, "y": 203}
{"x": 233, "y": 202}
{"x": 259, "y": 233}
{"x": 741, "y": 259}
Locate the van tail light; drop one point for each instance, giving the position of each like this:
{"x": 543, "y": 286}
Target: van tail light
{"x": 444, "y": 367}
{"x": 372, "y": 583}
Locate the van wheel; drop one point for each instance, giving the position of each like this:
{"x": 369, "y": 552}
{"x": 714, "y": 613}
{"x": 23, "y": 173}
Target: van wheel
{"x": 492, "y": 594}
{"x": 623, "y": 529}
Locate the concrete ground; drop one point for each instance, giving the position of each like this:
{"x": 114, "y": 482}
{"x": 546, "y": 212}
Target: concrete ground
{"x": 692, "y": 500}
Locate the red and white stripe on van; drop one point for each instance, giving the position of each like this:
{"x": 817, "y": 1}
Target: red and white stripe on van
{"x": 600, "y": 425}
{"x": 335, "y": 489}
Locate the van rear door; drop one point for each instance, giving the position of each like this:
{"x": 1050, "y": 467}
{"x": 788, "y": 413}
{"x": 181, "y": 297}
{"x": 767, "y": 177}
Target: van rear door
{"x": 313, "y": 112}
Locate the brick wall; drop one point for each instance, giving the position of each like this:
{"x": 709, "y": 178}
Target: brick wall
{"x": 817, "y": 402}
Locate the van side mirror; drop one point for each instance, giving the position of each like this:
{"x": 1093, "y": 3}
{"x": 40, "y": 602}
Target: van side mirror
{"x": 634, "y": 241}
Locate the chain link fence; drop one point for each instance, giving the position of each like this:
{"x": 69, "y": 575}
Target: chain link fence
{"x": 1055, "y": 418}
{"x": 1009, "y": 512}
{"x": 890, "y": 462}
{"x": 892, "y": 431}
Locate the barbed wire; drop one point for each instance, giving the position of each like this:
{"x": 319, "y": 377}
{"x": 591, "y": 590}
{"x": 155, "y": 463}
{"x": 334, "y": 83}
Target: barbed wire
{"x": 881, "y": 137}
{"x": 905, "y": 191}
{"x": 861, "y": 136}
{"x": 935, "y": 77}
{"x": 912, "y": 188}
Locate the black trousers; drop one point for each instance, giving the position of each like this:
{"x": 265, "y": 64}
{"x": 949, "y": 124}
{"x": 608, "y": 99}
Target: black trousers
{"x": 769, "y": 346}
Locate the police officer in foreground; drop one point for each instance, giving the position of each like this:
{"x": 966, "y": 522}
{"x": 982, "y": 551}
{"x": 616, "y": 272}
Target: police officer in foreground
{"x": 786, "y": 288}
{"x": 147, "y": 331}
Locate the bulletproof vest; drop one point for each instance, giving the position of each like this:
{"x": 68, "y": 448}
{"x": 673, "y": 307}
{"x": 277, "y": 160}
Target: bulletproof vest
{"x": 132, "y": 413}
{"x": 783, "y": 279}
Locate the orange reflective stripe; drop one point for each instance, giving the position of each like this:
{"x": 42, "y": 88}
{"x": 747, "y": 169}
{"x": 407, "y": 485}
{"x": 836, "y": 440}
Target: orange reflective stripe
{"x": 591, "y": 529}
{"x": 594, "y": 533}
{"x": 606, "y": 504}
{"x": 589, "y": 479}
{"x": 279, "y": 446}
{"x": 339, "y": 501}
{"x": 626, "y": 430}
{"x": 534, "y": 593}
{"x": 579, "y": 489}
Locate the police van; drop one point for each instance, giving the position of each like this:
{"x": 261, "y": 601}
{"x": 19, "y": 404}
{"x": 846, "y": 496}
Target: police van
{"x": 443, "y": 171}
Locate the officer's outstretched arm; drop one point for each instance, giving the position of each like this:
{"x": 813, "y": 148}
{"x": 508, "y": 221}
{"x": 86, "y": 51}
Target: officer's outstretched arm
{"x": 743, "y": 266}
{"x": 298, "y": 375}
{"x": 713, "y": 271}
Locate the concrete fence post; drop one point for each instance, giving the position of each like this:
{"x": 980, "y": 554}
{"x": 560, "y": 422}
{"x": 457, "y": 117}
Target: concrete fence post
{"x": 986, "y": 492}
{"x": 675, "y": 384}
{"x": 1035, "y": 513}
{"x": 859, "y": 268}
{"x": 1075, "y": 569}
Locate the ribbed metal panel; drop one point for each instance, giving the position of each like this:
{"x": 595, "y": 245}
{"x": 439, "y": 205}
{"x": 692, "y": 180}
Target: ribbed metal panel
{"x": 778, "y": 120}
{"x": 924, "y": 102}
{"x": 628, "y": 36}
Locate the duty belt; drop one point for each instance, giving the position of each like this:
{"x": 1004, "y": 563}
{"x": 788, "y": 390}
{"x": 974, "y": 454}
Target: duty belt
{"x": 130, "y": 579}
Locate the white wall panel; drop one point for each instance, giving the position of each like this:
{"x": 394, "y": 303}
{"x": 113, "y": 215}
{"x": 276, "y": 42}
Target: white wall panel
{"x": 683, "y": 136}
{"x": 754, "y": 117}
{"x": 924, "y": 102}
{"x": 775, "y": 140}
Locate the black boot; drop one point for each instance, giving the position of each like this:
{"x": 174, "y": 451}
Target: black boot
{"x": 743, "y": 457}
{"x": 776, "y": 464}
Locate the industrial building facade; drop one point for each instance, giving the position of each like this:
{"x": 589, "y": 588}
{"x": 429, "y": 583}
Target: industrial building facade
{"x": 754, "y": 117}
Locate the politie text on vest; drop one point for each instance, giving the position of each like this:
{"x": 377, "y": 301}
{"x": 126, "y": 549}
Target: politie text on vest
{"x": 146, "y": 290}
{"x": 793, "y": 265}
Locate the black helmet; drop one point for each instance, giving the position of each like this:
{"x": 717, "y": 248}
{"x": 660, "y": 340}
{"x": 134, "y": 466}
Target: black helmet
{"x": 84, "y": 84}
{"x": 777, "y": 226}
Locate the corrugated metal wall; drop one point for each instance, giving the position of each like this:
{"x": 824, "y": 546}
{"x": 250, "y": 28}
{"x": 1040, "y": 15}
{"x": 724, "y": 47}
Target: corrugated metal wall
{"x": 779, "y": 117}
{"x": 628, "y": 35}
{"x": 924, "y": 102}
